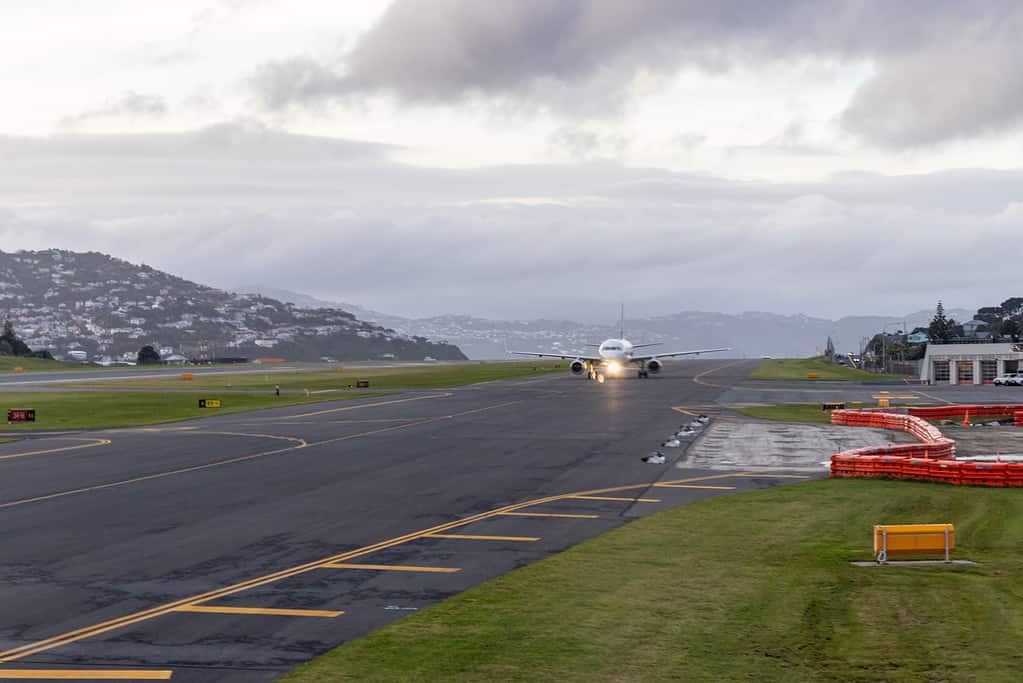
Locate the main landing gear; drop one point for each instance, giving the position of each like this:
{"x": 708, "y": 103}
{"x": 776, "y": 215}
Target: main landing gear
{"x": 643, "y": 372}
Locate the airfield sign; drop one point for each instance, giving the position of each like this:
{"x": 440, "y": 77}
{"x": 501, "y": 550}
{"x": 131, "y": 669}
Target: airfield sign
{"x": 21, "y": 415}
{"x": 209, "y": 402}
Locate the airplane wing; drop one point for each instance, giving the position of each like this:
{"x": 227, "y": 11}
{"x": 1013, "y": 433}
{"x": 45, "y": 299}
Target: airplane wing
{"x": 565, "y": 356}
{"x": 694, "y": 352}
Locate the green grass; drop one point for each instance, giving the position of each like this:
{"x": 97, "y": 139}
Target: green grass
{"x": 96, "y": 410}
{"x": 798, "y": 368}
{"x": 8, "y": 363}
{"x": 420, "y": 377}
{"x": 751, "y": 587}
{"x": 7, "y": 439}
{"x": 788, "y": 412}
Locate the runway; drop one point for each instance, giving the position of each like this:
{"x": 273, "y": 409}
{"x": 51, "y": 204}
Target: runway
{"x": 235, "y": 547}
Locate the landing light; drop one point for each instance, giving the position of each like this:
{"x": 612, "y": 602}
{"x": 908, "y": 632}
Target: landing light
{"x": 614, "y": 368}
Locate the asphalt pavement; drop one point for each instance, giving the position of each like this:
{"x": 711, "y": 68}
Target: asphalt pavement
{"x": 234, "y": 548}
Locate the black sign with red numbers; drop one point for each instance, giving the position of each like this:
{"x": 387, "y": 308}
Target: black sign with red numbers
{"x": 21, "y": 415}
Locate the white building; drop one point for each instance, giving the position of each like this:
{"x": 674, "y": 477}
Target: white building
{"x": 969, "y": 363}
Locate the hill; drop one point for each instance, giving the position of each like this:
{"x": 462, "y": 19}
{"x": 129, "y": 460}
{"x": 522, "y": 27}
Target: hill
{"x": 100, "y": 307}
{"x": 751, "y": 333}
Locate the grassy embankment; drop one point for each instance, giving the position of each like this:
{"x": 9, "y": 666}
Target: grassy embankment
{"x": 799, "y": 368}
{"x": 747, "y": 587}
{"x": 8, "y": 363}
{"x": 101, "y": 409}
{"x": 418, "y": 377}
{"x": 789, "y": 412}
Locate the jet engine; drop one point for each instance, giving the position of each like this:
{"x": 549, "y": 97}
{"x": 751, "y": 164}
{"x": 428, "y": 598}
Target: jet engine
{"x": 577, "y": 366}
{"x": 653, "y": 365}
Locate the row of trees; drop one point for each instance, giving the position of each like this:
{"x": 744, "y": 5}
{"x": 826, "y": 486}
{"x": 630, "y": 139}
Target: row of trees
{"x": 11, "y": 345}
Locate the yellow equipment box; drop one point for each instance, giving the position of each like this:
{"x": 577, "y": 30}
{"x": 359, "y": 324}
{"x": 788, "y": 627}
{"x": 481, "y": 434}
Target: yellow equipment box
{"x": 898, "y": 540}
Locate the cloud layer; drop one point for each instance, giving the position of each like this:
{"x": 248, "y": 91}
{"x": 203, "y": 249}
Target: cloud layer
{"x": 339, "y": 220}
{"x": 942, "y": 70}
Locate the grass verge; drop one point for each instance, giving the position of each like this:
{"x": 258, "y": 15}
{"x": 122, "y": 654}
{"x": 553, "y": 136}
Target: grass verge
{"x": 789, "y": 412}
{"x": 8, "y": 363}
{"x": 751, "y": 587}
{"x": 419, "y": 377}
{"x": 799, "y": 368}
{"x": 97, "y": 410}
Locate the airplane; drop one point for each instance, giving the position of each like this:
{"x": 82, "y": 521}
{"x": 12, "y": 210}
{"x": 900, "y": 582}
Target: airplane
{"x": 615, "y": 355}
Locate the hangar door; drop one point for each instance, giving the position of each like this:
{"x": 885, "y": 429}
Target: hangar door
{"x": 964, "y": 370}
{"x": 988, "y": 371}
{"x": 940, "y": 371}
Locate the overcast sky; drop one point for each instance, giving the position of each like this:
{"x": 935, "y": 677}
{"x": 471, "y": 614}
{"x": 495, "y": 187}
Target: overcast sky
{"x": 527, "y": 158}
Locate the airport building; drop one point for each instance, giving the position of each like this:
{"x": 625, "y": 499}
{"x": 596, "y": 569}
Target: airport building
{"x": 970, "y": 363}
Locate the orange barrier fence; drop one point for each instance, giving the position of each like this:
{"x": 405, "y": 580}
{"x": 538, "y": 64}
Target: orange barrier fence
{"x": 933, "y": 459}
{"x": 961, "y": 411}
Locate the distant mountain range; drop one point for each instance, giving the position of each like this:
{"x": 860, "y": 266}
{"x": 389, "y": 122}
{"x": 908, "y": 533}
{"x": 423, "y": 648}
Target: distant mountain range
{"x": 750, "y": 334}
{"x": 93, "y": 306}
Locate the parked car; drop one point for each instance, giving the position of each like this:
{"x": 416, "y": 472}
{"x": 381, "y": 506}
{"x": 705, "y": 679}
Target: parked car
{"x": 1009, "y": 379}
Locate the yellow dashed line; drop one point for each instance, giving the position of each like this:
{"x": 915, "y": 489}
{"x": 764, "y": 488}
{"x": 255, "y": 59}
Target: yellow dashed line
{"x": 549, "y": 514}
{"x": 84, "y": 675}
{"x": 93, "y": 443}
{"x": 394, "y": 568}
{"x": 262, "y": 611}
{"x": 470, "y": 537}
{"x": 622, "y": 500}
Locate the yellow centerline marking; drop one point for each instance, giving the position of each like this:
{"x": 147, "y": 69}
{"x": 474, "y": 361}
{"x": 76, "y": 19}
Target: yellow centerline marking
{"x": 621, "y": 500}
{"x": 393, "y": 568}
{"x": 93, "y": 443}
{"x": 696, "y": 486}
{"x": 245, "y": 458}
{"x": 680, "y": 409}
{"x": 472, "y": 537}
{"x": 698, "y": 379}
{"x": 85, "y": 675}
{"x": 549, "y": 514}
{"x": 100, "y": 628}
{"x": 264, "y": 611}
{"x": 366, "y": 405}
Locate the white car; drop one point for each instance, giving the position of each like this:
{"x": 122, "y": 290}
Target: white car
{"x": 1010, "y": 379}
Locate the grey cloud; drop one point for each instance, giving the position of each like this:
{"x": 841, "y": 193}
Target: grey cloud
{"x": 417, "y": 240}
{"x": 933, "y": 58}
{"x": 128, "y": 104}
{"x": 239, "y": 139}
{"x": 581, "y": 144}
{"x": 961, "y": 90}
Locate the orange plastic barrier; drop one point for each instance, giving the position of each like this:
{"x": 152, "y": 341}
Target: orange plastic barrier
{"x": 933, "y": 459}
{"x": 1018, "y": 417}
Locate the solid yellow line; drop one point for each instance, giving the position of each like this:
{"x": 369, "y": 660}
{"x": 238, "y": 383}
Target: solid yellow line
{"x": 85, "y": 674}
{"x": 393, "y": 568}
{"x": 698, "y": 379}
{"x": 695, "y": 486}
{"x": 95, "y": 442}
{"x": 211, "y": 609}
{"x": 469, "y": 537}
{"x": 682, "y": 410}
{"x": 365, "y": 405}
{"x": 100, "y": 628}
{"x": 548, "y": 514}
{"x": 244, "y": 458}
{"x": 623, "y": 500}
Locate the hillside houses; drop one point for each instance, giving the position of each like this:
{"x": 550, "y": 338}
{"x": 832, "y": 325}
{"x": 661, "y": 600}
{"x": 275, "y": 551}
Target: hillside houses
{"x": 89, "y": 302}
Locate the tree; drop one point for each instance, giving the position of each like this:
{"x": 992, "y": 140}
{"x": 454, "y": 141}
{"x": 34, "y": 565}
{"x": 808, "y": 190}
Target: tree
{"x": 829, "y": 350}
{"x": 1010, "y": 328}
{"x": 10, "y": 344}
{"x": 939, "y": 329}
{"x": 148, "y": 356}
